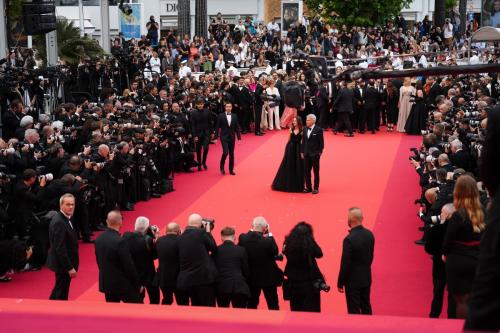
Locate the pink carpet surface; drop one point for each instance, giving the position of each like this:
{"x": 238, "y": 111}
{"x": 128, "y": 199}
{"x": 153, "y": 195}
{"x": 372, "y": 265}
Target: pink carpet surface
{"x": 368, "y": 171}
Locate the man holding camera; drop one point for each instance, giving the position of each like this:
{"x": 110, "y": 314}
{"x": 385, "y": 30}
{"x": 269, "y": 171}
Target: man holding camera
{"x": 118, "y": 278}
{"x": 355, "y": 276}
{"x": 197, "y": 270}
{"x": 152, "y": 26}
{"x": 142, "y": 250}
{"x": 265, "y": 275}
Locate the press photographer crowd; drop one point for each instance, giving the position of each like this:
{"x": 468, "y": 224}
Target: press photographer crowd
{"x": 82, "y": 143}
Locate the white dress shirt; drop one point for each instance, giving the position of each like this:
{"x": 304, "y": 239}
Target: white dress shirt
{"x": 228, "y": 116}
{"x": 309, "y": 131}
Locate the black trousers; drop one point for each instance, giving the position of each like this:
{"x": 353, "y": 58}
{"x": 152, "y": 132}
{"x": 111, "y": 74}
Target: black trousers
{"x": 324, "y": 117}
{"x": 203, "y": 295}
{"x": 153, "y": 294}
{"x": 61, "y": 287}
{"x": 358, "y": 300}
{"x": 437, "y": 300}
{"x": 312, "y": 162}
{"x": 362, "y": 113}
{"x": 371, "y": 118}
{"x": 270, "y": 293}
{"x": 304, "y": 297}
{"x": 258, "y": 117}
{"x": 236, "y": 300}
{"x": 129, "y": 297}
{"x": 227, "y": 149}
{"x": 181, "y": 298}
{"x": 343, "y": 121}
{"x": 203, "y": 143}
{"x": 244, "y": 119}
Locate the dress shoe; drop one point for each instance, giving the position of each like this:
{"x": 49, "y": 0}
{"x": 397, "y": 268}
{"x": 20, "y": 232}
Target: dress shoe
{"x": 373, "y": 132}
{"x": 222, "y": 172}
{"x": 349, "y": 135}
{"x": 88, "y": 241}
{"x": 232, "y": 173}
{"x": 243, "y": 132}
{"x": 205, "y": 166}
{"x": 259, "y": 134}
{"x": 361, "y": 132}
{"x": 334, "y": 132}
{"x": 199, "y": 167}
{"x": 420, "y": 242}
{"x": 315, "y": 191}
{"x": 307, "y": 190}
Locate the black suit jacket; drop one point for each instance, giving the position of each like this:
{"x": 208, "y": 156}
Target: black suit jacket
{"x": 63, "y": 252}
{"x": 371, "y": 97}
{"x": 357, "y": 258}
{"x": 434, "y": 92}
{"x": 359, "y": 97}
{"x": 246, "y": 99}
{"x": 344, "y": 101}
{"x": 462, "y": 159}
{"x": 434, "y": 246}
{"x": 117, "y": 273}
{"x": 143, "y": 254}
{"x": 201, "y": 123}
{"x": 314, "y": 144}
{"x": 264, "y": 272}
{"x": 227, "y": 132}
{"x": 232, "y": 267}
{"x": 196, "y": 266}
{"x": 259, "y": 91}
{"x": 167, "y": 249}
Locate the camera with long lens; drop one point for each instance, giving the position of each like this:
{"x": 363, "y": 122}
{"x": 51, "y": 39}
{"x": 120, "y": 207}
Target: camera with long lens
{"x": 321, "y": 285}
{"x": 208, "y": 221}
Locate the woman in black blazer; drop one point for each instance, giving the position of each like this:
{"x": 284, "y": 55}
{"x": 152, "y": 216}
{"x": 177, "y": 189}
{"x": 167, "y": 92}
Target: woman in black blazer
{"x": 302, "y": 271}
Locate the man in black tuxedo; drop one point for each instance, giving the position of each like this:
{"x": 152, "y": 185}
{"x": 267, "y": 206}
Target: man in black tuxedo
{"x": 167, "y": 248}
{"x": 265, "y": 275}
{"x": 434, "y": 92}
{"x": 63, "y": 253}
{"x": 371, "y": 108}
{"x": 202, "y": 132}
{"x": 143, "y": 252}
{"x": 311, "y": 150}
{"x": 344, "y": 107}
{"x": 434, "y": 246}
{"x": 359, "y": 115}
{"x": 227, "y": 124}
{"x": 260, "y": 90}
{"x": 118, "y": 278}
{"x": 355, "y": 276}
{"x": 232, "y": 267}
{"x": 246, "y": 106}
{"x": 197, "y": 270}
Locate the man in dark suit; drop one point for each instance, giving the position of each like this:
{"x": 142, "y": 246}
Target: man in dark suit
{"x": 459, "y": 157}
{"x": 265, "y": 275}
{"x": 260, "y": 90}
{"x": 434, "y": 92}
{"x": 197, "y": 270}
{"x": 311, "y": 150}
{"x": 355, "y": 276}
{"x": 232, "y": 267}
{"x": 202, "y": 132}
{"x": 246, "y": 106}
{"x": 63, "y": 253}
{"x": 143, "y": 252}
{"x": 343, "y": 105}
{"x": 359, "y": 115}
{"x": 371, "y": 108}
{"x": 167, "y": 249}
{"x": 118, "y": 278}
{"x": 434, "y": 246}
{"x": 227, "y": 124}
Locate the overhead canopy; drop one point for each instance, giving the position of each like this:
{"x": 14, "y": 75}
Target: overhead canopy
{"x": 486, "y": 34}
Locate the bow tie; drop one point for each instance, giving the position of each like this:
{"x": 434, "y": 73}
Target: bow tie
{"x": 310, "y": 129}
{"x": 228, "y": 114}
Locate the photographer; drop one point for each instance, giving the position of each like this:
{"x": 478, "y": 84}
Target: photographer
{"x": 152, "y": 26}
{"x": 197, "y": 272}
{"x": 265, "y": 275}
{"x": 304, "y": 279}
{"x": 141, "y": 244}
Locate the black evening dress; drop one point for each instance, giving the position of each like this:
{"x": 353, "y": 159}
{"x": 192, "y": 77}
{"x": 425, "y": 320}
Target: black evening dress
{"x": 290, "y": 176}
{"x": 417, "y": 120}
{"x": 392, "y": 109}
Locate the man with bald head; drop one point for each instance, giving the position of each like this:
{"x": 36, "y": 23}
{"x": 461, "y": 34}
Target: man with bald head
{"x": 355, "y": 276}
{"x": 167, "y": 249}
{"x": 197, "y": 271}
{"x": 118, "y": 278}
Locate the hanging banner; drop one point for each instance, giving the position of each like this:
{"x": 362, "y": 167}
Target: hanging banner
{"x": 130, "y": 24}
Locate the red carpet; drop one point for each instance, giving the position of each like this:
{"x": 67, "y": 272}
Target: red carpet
{"x": 369, "y": 171}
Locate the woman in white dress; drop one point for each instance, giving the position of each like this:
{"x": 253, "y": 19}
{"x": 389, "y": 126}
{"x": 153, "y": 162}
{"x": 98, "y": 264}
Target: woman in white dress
{"x": 273, "y": 107}
{"x": 405, "y": 93}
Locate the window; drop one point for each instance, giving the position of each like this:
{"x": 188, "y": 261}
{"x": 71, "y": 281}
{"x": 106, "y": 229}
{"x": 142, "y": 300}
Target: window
{"x": 85, "y": 2}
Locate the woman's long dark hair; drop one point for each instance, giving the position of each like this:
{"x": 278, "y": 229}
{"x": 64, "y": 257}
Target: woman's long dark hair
{"x": 300, "y": 238}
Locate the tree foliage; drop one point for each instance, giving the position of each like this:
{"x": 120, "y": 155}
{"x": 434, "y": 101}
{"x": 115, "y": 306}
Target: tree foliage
{"x": 70, "y": 46}
{"x": 357, "y": 12}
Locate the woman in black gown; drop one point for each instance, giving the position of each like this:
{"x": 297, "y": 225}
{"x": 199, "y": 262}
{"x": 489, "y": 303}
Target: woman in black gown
{"x": 392, "y": 99}
{"x": 290, "y": 176}
{"x": 417, "y": 119}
